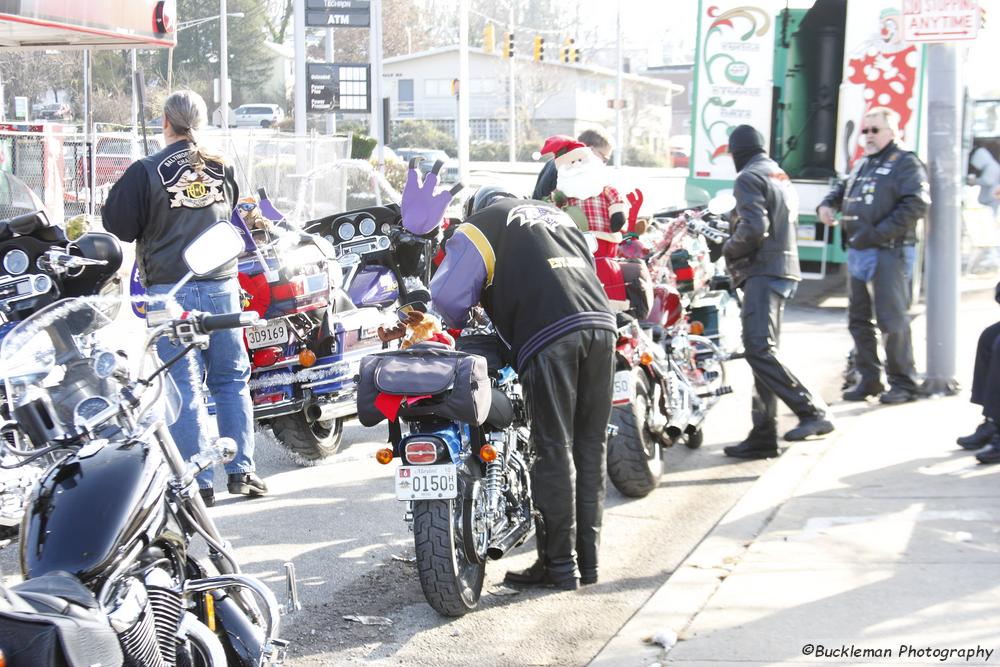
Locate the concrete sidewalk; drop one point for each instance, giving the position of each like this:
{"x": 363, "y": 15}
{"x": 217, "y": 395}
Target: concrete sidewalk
{"x": 884, "y": 537}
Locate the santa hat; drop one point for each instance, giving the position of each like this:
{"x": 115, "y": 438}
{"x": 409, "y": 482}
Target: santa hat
{"x": 565, "y": 149}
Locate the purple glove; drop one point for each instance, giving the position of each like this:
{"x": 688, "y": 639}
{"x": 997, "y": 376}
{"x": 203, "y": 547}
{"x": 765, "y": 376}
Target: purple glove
{"x": 422, "y": 209}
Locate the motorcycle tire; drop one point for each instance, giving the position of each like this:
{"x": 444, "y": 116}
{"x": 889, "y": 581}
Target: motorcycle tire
{"x": 451, "y": 583}
{"x": 308, "y": 443}
{"x": 634, "y": 453}
{"x": 694, "y": 440}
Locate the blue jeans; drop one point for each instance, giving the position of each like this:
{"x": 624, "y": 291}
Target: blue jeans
{"x": 226, "y": 368}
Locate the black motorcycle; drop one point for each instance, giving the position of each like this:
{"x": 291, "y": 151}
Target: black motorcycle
{"x": 465, "y": 459}
{"x": 105, "y": 540}
{"x": 39, "y": 266}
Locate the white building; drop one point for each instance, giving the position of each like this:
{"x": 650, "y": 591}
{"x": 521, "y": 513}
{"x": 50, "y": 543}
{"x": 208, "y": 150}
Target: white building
{"x": 550, "y": 97}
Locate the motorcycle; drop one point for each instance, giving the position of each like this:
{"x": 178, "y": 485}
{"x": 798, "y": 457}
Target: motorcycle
{"x": 464, "y": 458}
{"x": 669, "y": 370}
{"x": 106, "y": 537}
{"x": 39, "y": 266}
{"x": 324, "y": 291}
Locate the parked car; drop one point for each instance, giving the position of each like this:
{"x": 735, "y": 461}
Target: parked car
{"x": 678, "y": 158}
{"x": 258, "y": 115}
{"x": 448, "y": 173}
{"x": 57, "y": 111}
{"x": 112, "y": 156}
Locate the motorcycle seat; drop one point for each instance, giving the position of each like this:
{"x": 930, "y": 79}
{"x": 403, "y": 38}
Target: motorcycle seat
{"x": 58, "y": 584}
{"x": 501, "y": 414}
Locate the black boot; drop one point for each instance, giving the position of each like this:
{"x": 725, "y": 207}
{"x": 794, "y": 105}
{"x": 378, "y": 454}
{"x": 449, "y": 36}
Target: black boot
{"x": 863, "y": 390}
{"x": 754, "y": 447}
{"x": 207, "y": 496}
{"x": 538, "y": 573}
{"x": 980, "y": 437}
{"x": 991, "y": 452}
{"x": 247, "y": 484}
{"x": 808, "y": 427}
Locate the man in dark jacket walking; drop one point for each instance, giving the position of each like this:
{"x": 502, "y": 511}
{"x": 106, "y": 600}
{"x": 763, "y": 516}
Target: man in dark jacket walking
{"x": 530, "y": 267}
{"x": 763, "y": 260}
{"x": 881, "y": 202}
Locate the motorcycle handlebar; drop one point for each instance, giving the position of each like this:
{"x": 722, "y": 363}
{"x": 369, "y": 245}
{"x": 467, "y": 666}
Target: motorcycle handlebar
{"x": 229, "y": 321}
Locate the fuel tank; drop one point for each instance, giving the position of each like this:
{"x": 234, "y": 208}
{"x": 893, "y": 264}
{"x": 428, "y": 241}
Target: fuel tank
{"x": 91, "y": 507}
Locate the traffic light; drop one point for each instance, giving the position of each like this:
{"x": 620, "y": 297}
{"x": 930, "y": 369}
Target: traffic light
{"x": 538, "y": 53}
{"x": 489, "y": 39}
{"x": 564, "y": 50}
{"x": 508, "y": 45}
{"x": 572, "y": 53}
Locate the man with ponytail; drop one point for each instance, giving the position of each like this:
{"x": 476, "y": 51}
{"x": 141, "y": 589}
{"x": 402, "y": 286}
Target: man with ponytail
{"x": 163, "y": 202}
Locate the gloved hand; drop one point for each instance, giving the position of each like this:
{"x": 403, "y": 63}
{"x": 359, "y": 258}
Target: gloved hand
{"x": 635, "y": 200}
{"x": 421, "y": 208}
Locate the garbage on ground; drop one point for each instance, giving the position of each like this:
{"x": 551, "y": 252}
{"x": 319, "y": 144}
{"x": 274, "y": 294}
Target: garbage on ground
{"x": 368, "y": 620}
{"x": 665, "y": 638}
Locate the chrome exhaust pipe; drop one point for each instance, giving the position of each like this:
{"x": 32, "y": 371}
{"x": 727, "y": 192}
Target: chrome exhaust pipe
{"x": 515, "y": 536}
{"x": 321, "y": 412}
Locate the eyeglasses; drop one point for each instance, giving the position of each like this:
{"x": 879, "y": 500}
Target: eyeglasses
{"x": 871, "y": 130}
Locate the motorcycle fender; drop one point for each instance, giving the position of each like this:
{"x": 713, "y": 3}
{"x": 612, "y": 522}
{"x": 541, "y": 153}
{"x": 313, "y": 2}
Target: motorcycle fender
{"x": 243, "y": 641}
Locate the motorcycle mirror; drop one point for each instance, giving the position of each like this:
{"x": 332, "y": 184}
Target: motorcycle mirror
{"x": 224, "y": 449}
{"x": 722, "y": 203}
{"x": 403, "y": 311}
{"x": 216, "y": 246}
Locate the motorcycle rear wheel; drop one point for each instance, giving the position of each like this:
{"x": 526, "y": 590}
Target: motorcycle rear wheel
{"x": 634, "y": 453}
{"x": 308, "y": 443}
{"x": 451, "y": 583}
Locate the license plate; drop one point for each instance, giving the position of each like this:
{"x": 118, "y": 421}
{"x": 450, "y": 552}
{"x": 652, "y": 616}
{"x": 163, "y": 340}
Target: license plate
{"x": 426, "y": 482}
{"x": 622, "y": 388}
{"x": 273, "y": 333}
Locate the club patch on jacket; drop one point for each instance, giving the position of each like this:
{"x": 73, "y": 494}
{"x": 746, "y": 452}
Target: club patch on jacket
{"x": 186, "y": 187}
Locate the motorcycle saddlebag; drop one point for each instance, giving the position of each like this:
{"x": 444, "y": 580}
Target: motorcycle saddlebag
{"x": 456, "y": 385}
{"x": 638, "y": 286}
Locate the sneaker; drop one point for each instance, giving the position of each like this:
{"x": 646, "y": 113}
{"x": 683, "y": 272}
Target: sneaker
{"x": 990, "y": 453}
{"x": 863, "y": 390}
{"x": 980, "y": 437}
{"x": 207, "y": 496}
{"x": 810, "y": 427}
{"x": 897, "y": 396}
{"x": 752, "y": 449}
{"x": 247, "y": 484}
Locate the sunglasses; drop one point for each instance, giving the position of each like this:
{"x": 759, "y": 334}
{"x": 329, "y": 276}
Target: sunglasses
{"x": 871, "y": 130}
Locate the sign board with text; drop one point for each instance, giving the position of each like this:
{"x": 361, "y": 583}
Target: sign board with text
{"x": 338, "y": 87}
{"x": 338, "y": 13}
{"x": 940, "y": 20}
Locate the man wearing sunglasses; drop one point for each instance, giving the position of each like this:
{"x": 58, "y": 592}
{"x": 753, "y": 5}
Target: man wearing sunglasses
{"x": 882, "y": 200}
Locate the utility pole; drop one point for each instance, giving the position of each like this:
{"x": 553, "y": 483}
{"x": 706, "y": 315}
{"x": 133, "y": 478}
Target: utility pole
{"x": 224, "y": 64}
{"x": 463, "y": 90}
{"x": 512, "y": 118}
{"x": 619, "y": 94}
{"x": 331, "y": 118}
{"x": 944, "y": 110}
{"x": 300, "y": 67}
{"x": 375, "y": 55}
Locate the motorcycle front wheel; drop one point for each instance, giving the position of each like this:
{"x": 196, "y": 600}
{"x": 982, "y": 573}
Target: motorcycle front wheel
{"x": 452, "y": 583}
{"x": 634, "y": 463}
{"x": 308, "y": 442}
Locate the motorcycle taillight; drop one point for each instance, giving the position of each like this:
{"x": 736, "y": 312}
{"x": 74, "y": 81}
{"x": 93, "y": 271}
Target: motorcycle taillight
{"x": 420, "y": 452}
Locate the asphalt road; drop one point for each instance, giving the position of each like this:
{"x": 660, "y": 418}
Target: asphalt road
{"x": 342, "y": 527}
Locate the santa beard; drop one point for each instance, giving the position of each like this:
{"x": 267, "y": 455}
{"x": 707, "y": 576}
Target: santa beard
{"x": 584, "y": 181}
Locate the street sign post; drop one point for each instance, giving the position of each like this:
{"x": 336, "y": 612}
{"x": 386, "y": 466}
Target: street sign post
{"x": 338, "y": 87}
{"x": 338, "y": 13}
{"x": 937, "y": 21}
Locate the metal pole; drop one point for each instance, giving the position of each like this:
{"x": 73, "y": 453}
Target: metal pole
{"x": 619, "y": 93}
{"x": 331, "y": 118}
{"x": 512, "y": 118}
{"x": 135, "y": 101}
{"x": 376, "y": 61}
{"x": 170, "y": 68}
{"x": 224, "y": 64}
{"x": 300, "y": 86}
{"x": 944, "y": 110}
{"x": 464, "y": 90}
{"x": 88, "y": 132}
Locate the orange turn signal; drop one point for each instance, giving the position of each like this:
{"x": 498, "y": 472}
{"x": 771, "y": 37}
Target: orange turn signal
{"x": 307, "y": 357}
{"x": 488, "y": 453}
{"x": 697, "y": 328}
{"x": 3, "y": 660}
{"x": 645, "y": 358}
{"x": 384, "y": 455}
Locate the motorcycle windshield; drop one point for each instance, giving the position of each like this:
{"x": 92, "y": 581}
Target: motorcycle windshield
{"x": 16, "y": 198}
{"x": 77, "y": 356}
{"x": 345, "y": 185}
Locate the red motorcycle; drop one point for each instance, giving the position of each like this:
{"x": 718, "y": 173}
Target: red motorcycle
{"x": 670, "y": 369}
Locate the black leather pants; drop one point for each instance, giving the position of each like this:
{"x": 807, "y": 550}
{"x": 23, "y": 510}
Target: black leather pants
{"x": 884, "y": 303}
{"x": 986, "y": 375}
{"x": 761, "y": 312}
{"x": 567, "y": 389}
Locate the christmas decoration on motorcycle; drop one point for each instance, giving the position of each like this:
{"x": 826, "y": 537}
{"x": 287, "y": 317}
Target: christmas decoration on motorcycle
{"x": 680, "y": 263}
{"x": 422, "y": 208}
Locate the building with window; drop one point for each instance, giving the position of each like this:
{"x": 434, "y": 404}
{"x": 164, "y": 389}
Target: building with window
{"x": 549, "y": 97}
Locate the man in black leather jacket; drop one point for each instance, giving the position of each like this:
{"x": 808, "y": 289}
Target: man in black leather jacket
{"x": 881, "y": 202}
{"x": 762, "y": 258}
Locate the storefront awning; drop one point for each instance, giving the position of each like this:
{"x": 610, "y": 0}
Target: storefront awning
{"x": 100, "y": 24}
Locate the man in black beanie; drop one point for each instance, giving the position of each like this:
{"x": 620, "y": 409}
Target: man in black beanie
{"x": 763, "y": 260}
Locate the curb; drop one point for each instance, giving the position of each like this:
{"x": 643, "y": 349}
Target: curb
{"x": 689, "y": 588}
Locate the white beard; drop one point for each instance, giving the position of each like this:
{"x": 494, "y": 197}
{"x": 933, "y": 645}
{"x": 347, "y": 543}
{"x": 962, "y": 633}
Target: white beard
{"x": 582, "y": 182}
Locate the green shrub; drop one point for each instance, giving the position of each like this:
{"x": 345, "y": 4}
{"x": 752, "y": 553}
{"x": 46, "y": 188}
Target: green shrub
{"x": 641, "y": 156}
{"x": 362, "y": 146}
{"x": 488, "y": 151}
{"x": 526, "y": 150}
{"x": 421, "y": 134}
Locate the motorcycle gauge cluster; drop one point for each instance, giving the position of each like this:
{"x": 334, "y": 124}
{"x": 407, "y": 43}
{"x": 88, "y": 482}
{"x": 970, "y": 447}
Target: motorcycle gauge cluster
{"x": 367, "y": 226}
{"x": 16, "y": 262}
{"x": 345, "y": 231}
{"x": 90, "y": 407}
{"x": 105, "y": 364}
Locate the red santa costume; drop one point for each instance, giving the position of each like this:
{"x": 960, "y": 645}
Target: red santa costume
{"x": 583, "y": 192}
